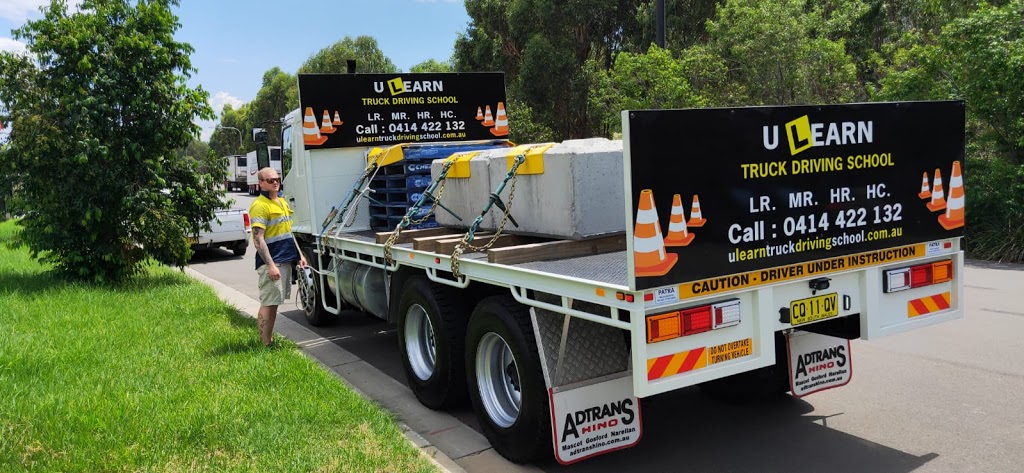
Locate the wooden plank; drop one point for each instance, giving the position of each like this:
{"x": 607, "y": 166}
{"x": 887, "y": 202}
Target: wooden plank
{"x": 556, "y": 250}
{"x": 430, "y": 243}
{"x": 447, "y": 246}
{"x": 408, "y": 235}
{"x": 434, "y": 244}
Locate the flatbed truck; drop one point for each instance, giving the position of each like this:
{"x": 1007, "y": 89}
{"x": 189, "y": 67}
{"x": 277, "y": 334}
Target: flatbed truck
{"x": 555, "y": 343}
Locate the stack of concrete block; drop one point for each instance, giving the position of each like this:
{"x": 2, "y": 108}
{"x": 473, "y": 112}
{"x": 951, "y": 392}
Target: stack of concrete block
{"x": 578, "y": 196}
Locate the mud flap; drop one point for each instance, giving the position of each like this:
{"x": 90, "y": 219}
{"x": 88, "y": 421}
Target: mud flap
{"x": 817, "y": 362}
{"x": 594, "y": 417}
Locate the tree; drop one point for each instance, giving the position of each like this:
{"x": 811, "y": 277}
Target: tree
{"x": 278, "y": 95}
{"x": 657, "y": 80}
{"x": 226, "y": 142}
{"x": 684, "y": 24}
{"x": 543, "y": 47}
{"x": 984, "y": 55}
{"x": 781, "y": 54}
{"x": 364, "y": 49}
{"x": 432, "y": 65}
{"x": 978, "y": 58}
{"x": 96, "y": 119}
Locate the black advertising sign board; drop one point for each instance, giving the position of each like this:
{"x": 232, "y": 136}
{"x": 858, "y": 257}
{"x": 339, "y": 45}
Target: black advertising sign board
{"x": 765, "y": 188}
{"x": 356, "y": 110}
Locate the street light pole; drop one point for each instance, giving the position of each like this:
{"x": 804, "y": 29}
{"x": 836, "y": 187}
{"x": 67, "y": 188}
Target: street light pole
{"x": 659, "y": 21}
{"x": 236, "y": 130}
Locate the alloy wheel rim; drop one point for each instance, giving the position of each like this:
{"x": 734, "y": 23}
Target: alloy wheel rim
{"x": 419, "y": 342}
{"x": 498, "y": 380}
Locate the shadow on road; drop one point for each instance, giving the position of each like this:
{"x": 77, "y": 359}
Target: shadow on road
{"x": 684, "y": 430}
{"x": 212, "y": 255}
{"x": 688, "y": 431}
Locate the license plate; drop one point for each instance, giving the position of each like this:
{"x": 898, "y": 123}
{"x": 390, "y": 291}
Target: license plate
{"x": 813, "y": 309}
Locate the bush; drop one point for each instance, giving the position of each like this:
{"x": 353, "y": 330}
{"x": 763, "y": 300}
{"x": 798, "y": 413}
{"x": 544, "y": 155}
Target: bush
{"x": 97, "y": 110}
{"x": 994, "y": 191}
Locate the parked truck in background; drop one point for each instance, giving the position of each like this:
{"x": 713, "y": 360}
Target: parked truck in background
{"x": 252, "y": 177}
{"x": 755, "y": 243}
{"x": 237, "y": 170}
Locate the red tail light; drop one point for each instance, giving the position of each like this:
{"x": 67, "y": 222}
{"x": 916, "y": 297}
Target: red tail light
{"x": 696, "y": 320}
{"x": 693, "y": 320}
{"x": 246, "y": 218}
{"x": 920, "y": 275}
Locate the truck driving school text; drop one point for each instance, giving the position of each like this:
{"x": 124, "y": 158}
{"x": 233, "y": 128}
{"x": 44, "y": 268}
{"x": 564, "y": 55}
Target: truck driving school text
{"x": 776, "y": 186}
{"x": 384, "y": 109}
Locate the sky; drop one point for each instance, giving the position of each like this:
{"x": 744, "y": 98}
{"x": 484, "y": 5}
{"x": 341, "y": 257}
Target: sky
{"x": 236, "y": 41}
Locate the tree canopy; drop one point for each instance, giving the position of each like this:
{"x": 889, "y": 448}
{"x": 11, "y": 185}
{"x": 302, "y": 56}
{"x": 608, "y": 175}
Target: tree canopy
{"x": 576, "y": 64}
{"x": 363, "y": 49}
{"x": 98, "y": 109}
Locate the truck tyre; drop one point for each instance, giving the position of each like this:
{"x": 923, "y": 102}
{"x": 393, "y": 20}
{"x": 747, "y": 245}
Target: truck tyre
{"x": 431, "y": 339}
{"x": 240, "y": 247}
{"x": 506, "y": 383}
{"x": 309, "y": 296}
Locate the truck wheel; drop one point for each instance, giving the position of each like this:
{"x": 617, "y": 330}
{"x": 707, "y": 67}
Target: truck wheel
{"x": 506, "y": 382}
{"x": 240, "y": 247}
{"x": 309, "y": 296}
{"x": 431, "y": 336}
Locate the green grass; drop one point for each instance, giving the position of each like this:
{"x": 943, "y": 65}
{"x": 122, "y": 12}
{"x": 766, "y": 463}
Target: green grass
{"x": 160, "y": 375}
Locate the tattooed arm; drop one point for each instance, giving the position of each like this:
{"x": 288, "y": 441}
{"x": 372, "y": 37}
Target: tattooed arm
{"x": 260, "y": 243}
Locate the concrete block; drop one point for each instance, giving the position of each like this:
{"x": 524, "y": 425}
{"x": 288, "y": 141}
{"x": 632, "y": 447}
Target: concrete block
{"x": 467, "y": 196}
{"x": 579, "y": 196}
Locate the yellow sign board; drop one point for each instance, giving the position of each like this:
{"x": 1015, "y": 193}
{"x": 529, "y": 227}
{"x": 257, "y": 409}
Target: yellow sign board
{"x": 730, "y": 351}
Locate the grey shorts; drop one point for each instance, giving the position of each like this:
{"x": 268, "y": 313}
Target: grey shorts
{"x": 275, "y": 292}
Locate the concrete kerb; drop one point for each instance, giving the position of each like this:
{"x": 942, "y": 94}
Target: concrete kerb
{"x": 353, "y": 372}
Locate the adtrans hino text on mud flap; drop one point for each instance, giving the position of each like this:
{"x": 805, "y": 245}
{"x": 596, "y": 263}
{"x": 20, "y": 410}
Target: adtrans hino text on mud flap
{"x": 741, "y": 250}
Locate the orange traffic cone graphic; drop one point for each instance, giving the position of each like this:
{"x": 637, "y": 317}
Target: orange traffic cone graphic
{"x": 649, "y": 255}
{"x": 938, "y": 202}
{"x": 677, "y": 234}
{"x": 327, "y": 127}
{"x": 501, "y": 122}
{"x": 926, "y": 192}
{"x": 954, "y": 216}
{"x": 488, "y": 121}
{"x": 311, "y": 132}
{"x": 479, "y": 114}
{"x": 337, "y": 119}
{"x": 696, "y": 220}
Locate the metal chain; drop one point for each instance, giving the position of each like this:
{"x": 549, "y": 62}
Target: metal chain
{"x": 347, "y": 221}
{"x": 464, "y": 244}
{"x": 433, "y": 205}
{"x": 368, "y": 174}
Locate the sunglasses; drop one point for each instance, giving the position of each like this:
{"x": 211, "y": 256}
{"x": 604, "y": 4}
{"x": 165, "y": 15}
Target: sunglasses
{"x": 272, "y": 181}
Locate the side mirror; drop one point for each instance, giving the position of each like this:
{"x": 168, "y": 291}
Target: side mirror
{"x": 259, "y": 135}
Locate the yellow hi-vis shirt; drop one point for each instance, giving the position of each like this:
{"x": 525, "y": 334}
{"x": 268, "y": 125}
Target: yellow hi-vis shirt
{"x": 275, "y": 218}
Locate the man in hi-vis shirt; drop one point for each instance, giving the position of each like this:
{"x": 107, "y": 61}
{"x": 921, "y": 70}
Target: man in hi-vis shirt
{"x": 276, "y": 250}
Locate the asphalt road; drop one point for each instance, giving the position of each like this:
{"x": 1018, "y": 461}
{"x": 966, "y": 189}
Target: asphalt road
{"x": 948, "y": 398}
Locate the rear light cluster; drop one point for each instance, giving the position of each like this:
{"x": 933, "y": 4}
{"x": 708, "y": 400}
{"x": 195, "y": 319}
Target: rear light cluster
{"x": 917, "y": 276}
{"x": 693, "y": 320}
{"x": 246, "y": 218}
